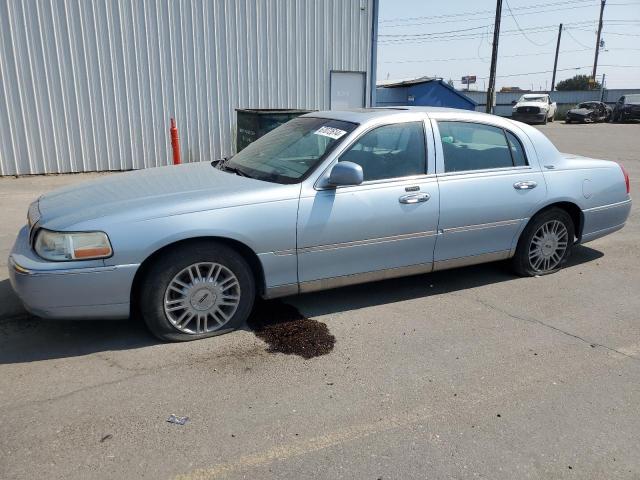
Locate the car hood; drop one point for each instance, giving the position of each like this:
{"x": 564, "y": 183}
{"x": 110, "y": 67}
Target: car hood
{"x": 155, "y": 192}
{"x": 531, "y": 104}
{"x": 580, "y": 111}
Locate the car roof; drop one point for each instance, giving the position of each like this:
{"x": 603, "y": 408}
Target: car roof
{"x": 362, "y": 115}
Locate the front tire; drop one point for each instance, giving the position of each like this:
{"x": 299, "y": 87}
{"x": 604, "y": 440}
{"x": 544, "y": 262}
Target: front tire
{"x": 197, "y": 290}
{"x": 545, "y": 244}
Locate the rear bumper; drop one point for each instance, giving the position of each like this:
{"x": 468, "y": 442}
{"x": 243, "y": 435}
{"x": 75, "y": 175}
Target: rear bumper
{"x": 601, "y": 221}
{"x": 50, "y": 290}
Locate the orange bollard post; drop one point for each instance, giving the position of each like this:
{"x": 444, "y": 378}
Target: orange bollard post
{"x": 175, "y": 142}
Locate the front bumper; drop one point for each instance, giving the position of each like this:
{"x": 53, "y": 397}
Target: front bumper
{"x": 529, "y": 117}
{"x": 579, "y": 118}
{"x": 78, "y": 290}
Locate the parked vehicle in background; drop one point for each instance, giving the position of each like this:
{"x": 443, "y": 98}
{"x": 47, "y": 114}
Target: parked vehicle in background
{"x": 534, "y": 108}
{"x": 627, "y": 108}
{"x": 326, "y": 200}
{"x": 589, "y": 112}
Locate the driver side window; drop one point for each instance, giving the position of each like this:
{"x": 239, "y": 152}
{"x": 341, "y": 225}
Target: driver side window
{"x": 391, "y": 151}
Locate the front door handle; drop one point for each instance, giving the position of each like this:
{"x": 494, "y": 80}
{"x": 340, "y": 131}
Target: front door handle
{"x": 524, "y": 185}
{"x": 414, "y": 198}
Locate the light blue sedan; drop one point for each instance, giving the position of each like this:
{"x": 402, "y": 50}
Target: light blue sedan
{"x": 326, "y": 200}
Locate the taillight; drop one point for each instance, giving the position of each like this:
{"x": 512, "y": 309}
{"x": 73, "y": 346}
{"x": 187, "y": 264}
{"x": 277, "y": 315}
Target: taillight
{"x": 626, "y": 179}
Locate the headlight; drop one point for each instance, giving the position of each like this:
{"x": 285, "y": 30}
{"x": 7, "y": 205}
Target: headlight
{"x": 61, "y": 246}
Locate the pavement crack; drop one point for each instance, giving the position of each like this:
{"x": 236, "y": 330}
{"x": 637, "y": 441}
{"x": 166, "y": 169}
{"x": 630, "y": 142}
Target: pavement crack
{"x": 73, "y": 392}
{"x": 113, "y": 363}
{"x": 549, "y": 326}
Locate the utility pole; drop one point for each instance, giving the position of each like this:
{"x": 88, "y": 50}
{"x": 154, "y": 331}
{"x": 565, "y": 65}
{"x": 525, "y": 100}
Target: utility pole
{"x": 602, "y": 89}
{"x": 595, "y": 60}
{"x": 491, "y": 91}
{"x": 555, "y": 63}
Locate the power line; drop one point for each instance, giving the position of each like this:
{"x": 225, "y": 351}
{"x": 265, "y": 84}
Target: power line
{"x": 501, "y": 56}
{"x": 459, "y": 34}
{"x": 476, "y": 18}
{"x": 473, "y": 16}
{"x": 521, "y": 31}
{"x": 576, "y": 40}
{"x": 535, "y": 27}
{"x": 423, "y": 40}
{"x": 559, "y": 70}
{"x": 464, "y": 59}
{"x": 478, "y": 12}
{"x": 434, "y": 33}
{"x": 536, "y": 73}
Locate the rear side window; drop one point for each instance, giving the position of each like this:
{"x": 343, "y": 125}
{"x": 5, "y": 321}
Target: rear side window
{"x": 391, "y": 151}
{"x": 475, "y": 146}
{"x": 517, "y": 152}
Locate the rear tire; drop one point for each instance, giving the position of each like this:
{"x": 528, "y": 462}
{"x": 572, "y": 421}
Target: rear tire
{"x": 197, "y": 290}
{"x": 545, "y": 244}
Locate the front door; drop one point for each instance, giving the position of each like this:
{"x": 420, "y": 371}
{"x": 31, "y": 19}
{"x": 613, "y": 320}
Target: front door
{"x": 488, "y": 190}
{"x": 387, "y": 222}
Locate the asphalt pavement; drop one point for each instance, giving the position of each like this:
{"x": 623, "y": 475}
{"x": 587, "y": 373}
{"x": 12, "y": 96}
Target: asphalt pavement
{"x": 468, "y": 373}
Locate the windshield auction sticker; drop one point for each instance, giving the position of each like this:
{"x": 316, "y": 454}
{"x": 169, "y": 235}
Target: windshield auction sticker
{"x": 330, "y": 132}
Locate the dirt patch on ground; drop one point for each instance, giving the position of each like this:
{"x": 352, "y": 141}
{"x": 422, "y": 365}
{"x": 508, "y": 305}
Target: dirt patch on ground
{"x": 286, "y": 330}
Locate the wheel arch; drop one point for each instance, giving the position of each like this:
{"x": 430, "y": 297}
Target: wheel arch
{"x": 571, "y": 208}
{"x": 247, "y": 253}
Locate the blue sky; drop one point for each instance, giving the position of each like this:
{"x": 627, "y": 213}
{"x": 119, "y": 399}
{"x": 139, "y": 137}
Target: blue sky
{"x": 453, "y": 39}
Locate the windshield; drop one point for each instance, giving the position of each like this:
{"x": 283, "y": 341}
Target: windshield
{"x": 290, "y": 152}
{"x": 588, "y": 106}
{"x": 632, "y": 99}
{"x": 525, "y": 98}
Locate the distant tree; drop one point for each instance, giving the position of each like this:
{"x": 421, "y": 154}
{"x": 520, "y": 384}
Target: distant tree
{"x": 450, "y": 82}
{"x": 579, "y": 82}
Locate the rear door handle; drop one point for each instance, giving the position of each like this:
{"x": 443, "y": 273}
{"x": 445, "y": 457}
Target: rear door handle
{"x": 414, "y": 198}
{"x": 524, "y": 185}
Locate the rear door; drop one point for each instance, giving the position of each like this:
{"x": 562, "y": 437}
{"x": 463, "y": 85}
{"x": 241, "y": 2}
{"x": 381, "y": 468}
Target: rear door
{"x": 488, "y": 187}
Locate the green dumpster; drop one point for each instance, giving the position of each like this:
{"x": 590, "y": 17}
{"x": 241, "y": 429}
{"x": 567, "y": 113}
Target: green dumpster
{"x": 254, "y": 123}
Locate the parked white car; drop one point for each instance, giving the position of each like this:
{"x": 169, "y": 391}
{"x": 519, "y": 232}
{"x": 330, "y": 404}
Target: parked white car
{"x": 534, "y": 108}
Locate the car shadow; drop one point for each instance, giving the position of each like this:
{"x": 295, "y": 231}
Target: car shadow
{"x": 419, "y": 286}
{"x": 25, "y": 338}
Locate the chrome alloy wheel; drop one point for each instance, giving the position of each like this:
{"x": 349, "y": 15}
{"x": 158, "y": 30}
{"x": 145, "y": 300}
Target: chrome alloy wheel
{"x": 202, "y": 298}
{"x": 548, "y": 246}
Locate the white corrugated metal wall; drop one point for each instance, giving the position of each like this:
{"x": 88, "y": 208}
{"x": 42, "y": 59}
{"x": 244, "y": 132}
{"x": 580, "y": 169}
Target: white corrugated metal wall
{"x": 90, "y": 85}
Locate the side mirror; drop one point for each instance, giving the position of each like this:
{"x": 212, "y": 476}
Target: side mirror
{"x": 513, "y": 102}
{"x": 345, "y": 173}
